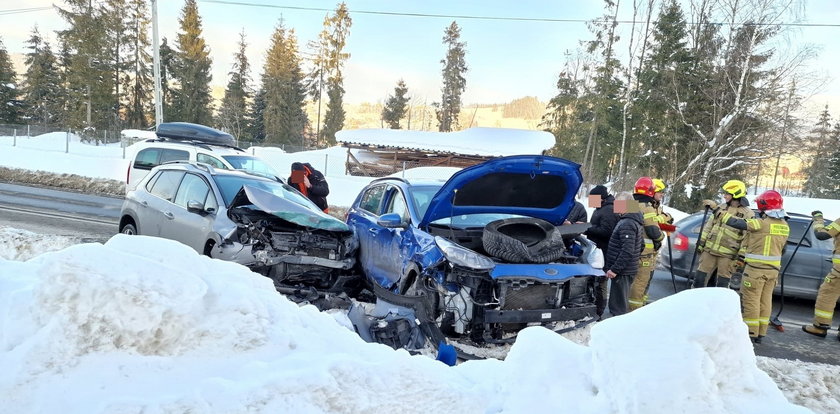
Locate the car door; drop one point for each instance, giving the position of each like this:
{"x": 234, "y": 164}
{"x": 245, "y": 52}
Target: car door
{"x": 362, "y": 218}
{"x": 187, "y": 227}
{"x": 155, "y": 207}
{"x": 806, "y": 270}
{"x": 389, "y": 259}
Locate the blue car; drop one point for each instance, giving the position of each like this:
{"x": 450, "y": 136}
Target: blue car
{"x": 482, "y": 255}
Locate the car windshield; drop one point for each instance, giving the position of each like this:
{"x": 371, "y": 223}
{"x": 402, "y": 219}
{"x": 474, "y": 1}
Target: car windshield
{"x": 422, "y": 196}
{"x": 251, "y": 164}
{"x": 229, "y": 185}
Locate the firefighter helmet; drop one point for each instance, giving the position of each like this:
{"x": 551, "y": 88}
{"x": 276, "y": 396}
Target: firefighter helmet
{"x": 659, "y": 185}
{"x": 769, "y": 200}
{"x": 644, "y": 186}
{"x": 736, "y": 188}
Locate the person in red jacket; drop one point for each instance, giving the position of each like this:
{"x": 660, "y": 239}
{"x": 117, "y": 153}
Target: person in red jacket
{"x": 311, "y": 183}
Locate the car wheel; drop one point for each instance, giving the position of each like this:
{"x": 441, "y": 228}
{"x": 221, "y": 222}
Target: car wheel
{"x": 523, "y": 240}
{"x": 129, "y": 229}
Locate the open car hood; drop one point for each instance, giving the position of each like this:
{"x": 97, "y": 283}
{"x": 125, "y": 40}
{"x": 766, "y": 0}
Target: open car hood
{"x": 530, "y": 185}
{"x": 287, "y": 210}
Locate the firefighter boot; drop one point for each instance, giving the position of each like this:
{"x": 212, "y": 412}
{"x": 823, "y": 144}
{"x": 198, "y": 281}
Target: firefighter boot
{"x": 700, "y": 279}
{"x": 723, "y": 282}
{"x": 820, "y": 330}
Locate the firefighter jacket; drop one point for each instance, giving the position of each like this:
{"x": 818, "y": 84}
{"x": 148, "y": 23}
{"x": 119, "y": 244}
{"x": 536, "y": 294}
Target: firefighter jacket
{"x": 768, "y": 235}
{"x": 653, "y": 235}
{"x": 824, "y": 232}
{"x": 721, "y": 239}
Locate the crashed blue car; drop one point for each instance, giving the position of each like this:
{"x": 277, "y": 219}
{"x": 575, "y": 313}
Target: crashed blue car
{"x": 479, "y": 256}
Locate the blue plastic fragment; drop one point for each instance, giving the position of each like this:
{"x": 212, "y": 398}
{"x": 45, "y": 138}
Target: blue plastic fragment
{"x": 447, "y": 354}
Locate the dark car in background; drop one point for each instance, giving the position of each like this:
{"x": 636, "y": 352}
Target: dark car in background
{"x": 803, "y": 276}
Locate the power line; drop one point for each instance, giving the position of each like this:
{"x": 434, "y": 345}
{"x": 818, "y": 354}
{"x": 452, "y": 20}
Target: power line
{"x": 8, "y": 12}
{"x": 496, "y": 18}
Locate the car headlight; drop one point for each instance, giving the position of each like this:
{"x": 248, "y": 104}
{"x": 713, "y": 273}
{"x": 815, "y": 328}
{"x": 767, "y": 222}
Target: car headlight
{"x": 462, "y": 256}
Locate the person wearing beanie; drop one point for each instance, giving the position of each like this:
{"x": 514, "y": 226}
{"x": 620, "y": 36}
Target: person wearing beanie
{"x": 603, "y": 223}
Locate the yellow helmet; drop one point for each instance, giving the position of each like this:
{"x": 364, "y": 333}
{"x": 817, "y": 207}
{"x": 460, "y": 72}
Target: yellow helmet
{"x": 736, "y": 188}
{"x": 658, "y": 185}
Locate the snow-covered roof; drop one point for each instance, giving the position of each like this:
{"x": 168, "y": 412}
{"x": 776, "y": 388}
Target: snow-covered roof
{"x": 485, "y": 142}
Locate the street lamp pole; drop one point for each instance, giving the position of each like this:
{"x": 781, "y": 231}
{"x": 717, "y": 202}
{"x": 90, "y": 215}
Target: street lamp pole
{"x": 156, "y": 64}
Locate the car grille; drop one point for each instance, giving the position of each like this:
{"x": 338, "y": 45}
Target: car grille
{"x": 529, "y": 296}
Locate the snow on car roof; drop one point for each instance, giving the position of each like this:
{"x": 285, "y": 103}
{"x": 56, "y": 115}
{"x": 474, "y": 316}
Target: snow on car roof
{"x": 494, "y": 142}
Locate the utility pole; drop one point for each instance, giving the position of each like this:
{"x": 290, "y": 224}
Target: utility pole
{"x": 156, "y": 65}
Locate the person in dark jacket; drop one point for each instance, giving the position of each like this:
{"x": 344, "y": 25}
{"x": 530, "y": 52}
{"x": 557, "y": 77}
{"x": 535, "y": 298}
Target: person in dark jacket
{"x": 311, "y": 183}
{"x": 603, "y": 223}
{"x": 578, "y": 214}
{"x": 622, "y": 261}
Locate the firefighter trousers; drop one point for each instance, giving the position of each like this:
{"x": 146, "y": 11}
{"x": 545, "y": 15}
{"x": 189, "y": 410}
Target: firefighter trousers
{"x": 827, "y": 297}
{"x": 641, "y": 283}
{"x": 709, "y": 263}
{"x": 757, "y": 298}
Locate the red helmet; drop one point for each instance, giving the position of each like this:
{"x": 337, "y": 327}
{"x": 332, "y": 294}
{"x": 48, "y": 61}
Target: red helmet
{"x": 769, "y": 200}
{"x": 644, "y": 186}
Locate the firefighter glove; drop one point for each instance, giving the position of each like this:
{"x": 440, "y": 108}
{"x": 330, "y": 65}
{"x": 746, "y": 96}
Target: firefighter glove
{"x": 668, "y": 218}
{"x": 816, "y": 214}
{"x": 709, "y": 204}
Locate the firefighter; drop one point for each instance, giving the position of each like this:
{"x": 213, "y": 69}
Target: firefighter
{"x": 719, "y": 243}
{"x": 762, "y": 259}
{"x": 830, "y": 287}
{"x": 649, "y": 196}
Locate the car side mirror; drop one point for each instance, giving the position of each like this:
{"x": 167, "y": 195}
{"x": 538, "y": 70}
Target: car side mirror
{"x": 391, "y": 221}
{"x": 195, "y": 207}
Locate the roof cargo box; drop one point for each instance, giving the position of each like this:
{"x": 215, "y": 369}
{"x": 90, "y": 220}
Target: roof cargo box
{"x": 185, "y": 131}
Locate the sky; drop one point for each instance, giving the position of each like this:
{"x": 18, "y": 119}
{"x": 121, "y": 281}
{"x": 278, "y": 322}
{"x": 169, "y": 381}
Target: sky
{"x": 507, "y": 59}
{"x": 141, "y": 324}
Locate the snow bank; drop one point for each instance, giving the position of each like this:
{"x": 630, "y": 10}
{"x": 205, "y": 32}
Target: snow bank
{"x": 16, "y": 244}
{"x": 167, "y": 330}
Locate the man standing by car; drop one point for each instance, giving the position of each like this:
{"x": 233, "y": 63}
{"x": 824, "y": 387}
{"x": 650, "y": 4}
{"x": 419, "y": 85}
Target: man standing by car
{"x": 603, "y": 223}
{"x": 624, "y": 248}
{"x": 830, "y": 287}
{"x": 719, "y": 242}
{"x": 649, "y": 197}
{"x": 762, "y": 259}
{"x": 311, "y": 183}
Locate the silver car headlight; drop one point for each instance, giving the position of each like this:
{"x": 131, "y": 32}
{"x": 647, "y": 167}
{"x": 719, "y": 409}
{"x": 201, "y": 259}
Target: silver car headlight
{"x": 462, "y": 256}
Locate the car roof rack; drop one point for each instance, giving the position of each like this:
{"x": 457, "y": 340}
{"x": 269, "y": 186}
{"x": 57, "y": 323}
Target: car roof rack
{"x": 199, "y": 144}
{"x": 206, "y": 167}
{"x": 391, "y": 178}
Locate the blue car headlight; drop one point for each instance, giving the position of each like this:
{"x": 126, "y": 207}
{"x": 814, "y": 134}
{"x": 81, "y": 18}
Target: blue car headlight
{"x": 462, "y": 256}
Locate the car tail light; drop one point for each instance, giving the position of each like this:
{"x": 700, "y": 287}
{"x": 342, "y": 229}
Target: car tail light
{"x": 680, "y": 242}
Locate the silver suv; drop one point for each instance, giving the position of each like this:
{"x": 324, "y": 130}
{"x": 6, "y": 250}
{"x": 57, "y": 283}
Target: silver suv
{"x": 244, "y": 218}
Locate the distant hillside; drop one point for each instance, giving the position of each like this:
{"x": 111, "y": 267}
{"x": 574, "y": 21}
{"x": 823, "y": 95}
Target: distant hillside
{"x": 522, "y": 113}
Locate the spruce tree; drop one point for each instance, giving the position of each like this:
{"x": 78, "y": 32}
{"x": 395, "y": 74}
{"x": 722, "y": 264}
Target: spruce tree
{"x": 454, "y": 83}
{"x": 192, "y": 70}
{"x": 167, "y": 67}
{"x": 91, "y": 68}
{"x": 256, "y": 127}
{"x": 41, "y": 82}
{"x": 396, "y": 106}
{"x": 832, "y": 182}
{"x": 234, "y": 113}
{"x": 819, "y": 183}
{"x": 137, "y": 79}
{"x": 333, "y": 40}
{"x": 284, "y": 119}
{"x": 9, "y": 103}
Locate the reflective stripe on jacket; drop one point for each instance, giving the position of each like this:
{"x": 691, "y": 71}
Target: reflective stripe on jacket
{"x": 721, "y": 239}
{"x": 768, "y": 235}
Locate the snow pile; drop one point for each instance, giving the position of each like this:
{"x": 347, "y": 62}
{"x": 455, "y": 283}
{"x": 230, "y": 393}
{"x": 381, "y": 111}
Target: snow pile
{"x": 21, "y": 245}
{"x": 167, "y": 330}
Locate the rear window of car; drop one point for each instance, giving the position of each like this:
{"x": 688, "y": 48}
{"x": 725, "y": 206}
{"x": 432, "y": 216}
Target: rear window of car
{"x": 372, "y": 199}
{"x": 149, "y": 158}
{"x": 173, "y": 155}
{"x": 166, "y": 184}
